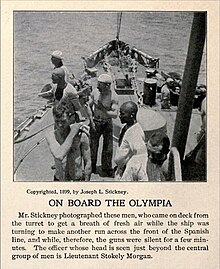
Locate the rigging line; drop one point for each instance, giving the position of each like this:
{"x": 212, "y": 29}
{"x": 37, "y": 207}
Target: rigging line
{"x": 28, "y": 137}
{"x": 29, "y": 151}
{"x": 118, "y": 24}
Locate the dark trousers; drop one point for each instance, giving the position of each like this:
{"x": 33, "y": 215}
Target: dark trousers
{"x": 104, "y": 128}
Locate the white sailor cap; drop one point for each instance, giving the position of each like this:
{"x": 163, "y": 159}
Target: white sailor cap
{"x": 169, "y": 80}
{"x": 105, "y": 78}
{"x": 57, "y": 54}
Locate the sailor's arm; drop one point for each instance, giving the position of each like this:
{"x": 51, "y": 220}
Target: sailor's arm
{"x": 60, "y": 151}
{"x": 70, "y": 95}
{"x": 136, "y": 169}
{"x": 122, "y": 155}
{"x": 113, "y": 111}
{"x": 89, "y": 109}
{"x": 89, "y": 112}
{"x": 85, "y": 149}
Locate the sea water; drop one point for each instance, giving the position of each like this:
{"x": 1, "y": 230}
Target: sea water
{"x": 37, "y": 34}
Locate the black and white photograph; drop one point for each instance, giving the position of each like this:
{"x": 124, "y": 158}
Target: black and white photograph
{"x": 123, "y": 95}
{"x": 117, "y": 96}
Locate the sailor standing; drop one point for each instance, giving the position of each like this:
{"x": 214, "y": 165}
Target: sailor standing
{"x": 102, "y": 108}
{"x": 131, "y": 139}
{"x": 165, "y": 94}
{"x": 69, "y": 144}
{"x": 64, "y": 90}
{"x": 57, "y": 61}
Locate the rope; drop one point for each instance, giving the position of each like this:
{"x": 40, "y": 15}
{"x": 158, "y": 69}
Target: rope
{"x": 118, "y": 24}
{"x": 28, "y": 137}
{"x": 29, "y": 151}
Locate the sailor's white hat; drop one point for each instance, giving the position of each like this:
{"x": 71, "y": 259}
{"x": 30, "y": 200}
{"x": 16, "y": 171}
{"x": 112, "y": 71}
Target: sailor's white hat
{"x": 105, "y": 78}
{"x": 57, "y": 54}
{"x": 169, "y": 80}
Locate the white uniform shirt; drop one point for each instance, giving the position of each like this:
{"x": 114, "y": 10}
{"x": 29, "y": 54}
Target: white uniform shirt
{"x": 133, "y": 143}
{"x": 136, "y": 169}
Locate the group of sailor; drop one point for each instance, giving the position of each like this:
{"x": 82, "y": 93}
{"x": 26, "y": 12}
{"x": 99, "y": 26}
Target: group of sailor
{"x": 75, "y": 144}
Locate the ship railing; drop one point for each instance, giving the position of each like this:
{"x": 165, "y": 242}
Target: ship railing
{"x": 115, "y": 46}
{"x": 93, "y": 59}
{"x": 144, "y": 59}
{"x": 22, "y": 127}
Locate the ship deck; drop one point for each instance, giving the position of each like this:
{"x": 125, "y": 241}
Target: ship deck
{"x": 36, "y": 166}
